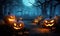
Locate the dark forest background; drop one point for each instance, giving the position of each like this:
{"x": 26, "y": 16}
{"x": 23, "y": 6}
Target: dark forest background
{"x": 45, "y": 8}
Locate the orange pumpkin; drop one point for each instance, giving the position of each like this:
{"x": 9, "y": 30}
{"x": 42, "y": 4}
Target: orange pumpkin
{"x": 10, "y": 19}
{"x": 38, "y": 19}
{"x": 18, "y": 26}
{"x": 49, "y": 23}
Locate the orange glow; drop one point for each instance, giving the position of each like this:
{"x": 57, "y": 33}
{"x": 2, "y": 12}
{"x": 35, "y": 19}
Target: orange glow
{"x": 36, "y": 21}
{"x": 49, "y": 24}
{"x": 52, "y": 21}
{"x": 44, "y": 30}
{"x": 41, "y": 30}
{"x": 12, "y": 18}
{"x": 46, "y": 21}
{"x": 14, "y": 24}
{"x": 18, "y": 26}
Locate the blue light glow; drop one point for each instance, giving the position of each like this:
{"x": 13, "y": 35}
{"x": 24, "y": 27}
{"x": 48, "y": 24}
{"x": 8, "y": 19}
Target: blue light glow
{"x": 28, "y": 2}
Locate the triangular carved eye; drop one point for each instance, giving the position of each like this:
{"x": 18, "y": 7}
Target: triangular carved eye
{"x": 52, "y": 21}
{"x": 20, "y": 24}
{"x": 46, "y": 21}
{"x": 15, "y": 24}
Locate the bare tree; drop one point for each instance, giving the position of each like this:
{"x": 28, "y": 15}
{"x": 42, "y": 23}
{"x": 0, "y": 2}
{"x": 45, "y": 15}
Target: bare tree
{"x": 42, "y": 6}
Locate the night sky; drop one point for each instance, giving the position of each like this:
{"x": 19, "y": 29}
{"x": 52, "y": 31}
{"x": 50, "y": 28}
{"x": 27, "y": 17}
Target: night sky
{"x": 32, "y": 8}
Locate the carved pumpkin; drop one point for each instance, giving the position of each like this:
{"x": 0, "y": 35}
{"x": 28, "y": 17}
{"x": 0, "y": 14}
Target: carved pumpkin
{"x": 37, "y": 20}
{"x": 10, "y": 19}
{"x": 18, "y": 26}
{"x": 49, "y": 23}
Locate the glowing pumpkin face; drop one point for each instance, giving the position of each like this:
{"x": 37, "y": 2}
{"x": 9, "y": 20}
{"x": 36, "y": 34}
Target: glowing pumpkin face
{"x": 49, "y": 23}
{"x": 10, "y": 19}
{"x": 18, "y": 26}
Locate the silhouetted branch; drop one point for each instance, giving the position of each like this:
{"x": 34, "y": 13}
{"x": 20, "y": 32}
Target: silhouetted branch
{"x": 39, "y": 2}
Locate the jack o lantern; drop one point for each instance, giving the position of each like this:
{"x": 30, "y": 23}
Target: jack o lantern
{"x": 38, "y": 19}
{"x": 10, "y": 19}
{"x": 18, "y": 26}
{"x": 49, "y": 23}
{"x": 35, "y": 21}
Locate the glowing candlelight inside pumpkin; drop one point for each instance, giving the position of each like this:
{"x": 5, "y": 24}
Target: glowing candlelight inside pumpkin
{"x": 49, "y": 23}
{"x": 18, "y": 26}
{"x": 12, "y": 18}
{"x": 14, "y": 24}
